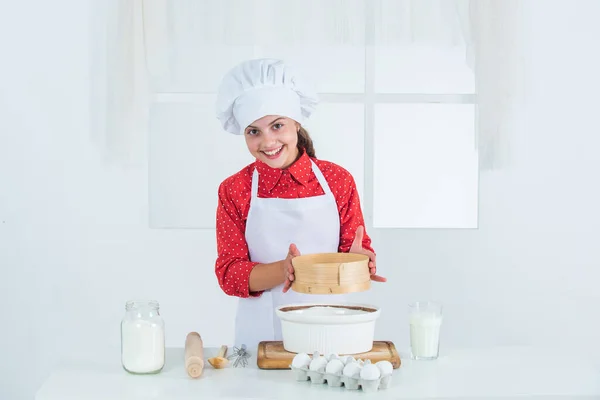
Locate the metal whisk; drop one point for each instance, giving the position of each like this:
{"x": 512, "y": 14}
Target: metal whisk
{"x": 241, "y": 356}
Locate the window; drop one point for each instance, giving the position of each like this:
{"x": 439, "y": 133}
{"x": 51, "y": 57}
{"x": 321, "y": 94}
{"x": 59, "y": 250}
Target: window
{"x": 397, "y": 103}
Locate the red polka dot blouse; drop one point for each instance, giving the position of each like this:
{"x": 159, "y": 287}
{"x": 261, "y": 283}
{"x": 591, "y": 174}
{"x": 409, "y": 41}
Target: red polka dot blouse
{"x": 233, "y": 264}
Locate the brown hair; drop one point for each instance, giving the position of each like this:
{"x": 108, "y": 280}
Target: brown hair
{"x": 305, "y": 143}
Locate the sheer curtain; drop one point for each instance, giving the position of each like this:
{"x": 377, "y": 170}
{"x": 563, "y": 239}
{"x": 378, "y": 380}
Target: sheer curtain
{"x": 493, "y": 29}
{"x": 141, "y": 46}
{"x": 488, "y": 31}
{"x": 119, "y": 83}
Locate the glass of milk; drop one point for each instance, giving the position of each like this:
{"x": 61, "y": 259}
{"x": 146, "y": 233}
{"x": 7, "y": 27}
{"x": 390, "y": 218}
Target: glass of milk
{"x": 425, "y": 323}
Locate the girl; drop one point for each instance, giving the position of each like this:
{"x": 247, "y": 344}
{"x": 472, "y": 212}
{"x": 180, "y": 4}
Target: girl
{"x": 285, "y": 203}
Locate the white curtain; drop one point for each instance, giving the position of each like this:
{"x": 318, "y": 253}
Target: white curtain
{"x": 136, "y": 50}
{"x": 493, "y": 31}
{"x": 489, "y": 31}
{"x": 119, "y": 83}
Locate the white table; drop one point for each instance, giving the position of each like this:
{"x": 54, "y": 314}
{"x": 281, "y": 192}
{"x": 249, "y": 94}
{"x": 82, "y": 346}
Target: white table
{"x": 501, "y": 373}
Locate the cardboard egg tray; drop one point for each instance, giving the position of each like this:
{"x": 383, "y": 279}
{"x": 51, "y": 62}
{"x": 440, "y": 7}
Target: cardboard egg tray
{"x": 338, "y": 380}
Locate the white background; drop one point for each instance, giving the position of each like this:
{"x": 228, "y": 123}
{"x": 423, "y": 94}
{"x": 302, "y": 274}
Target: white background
{"x": 75, "y": 242}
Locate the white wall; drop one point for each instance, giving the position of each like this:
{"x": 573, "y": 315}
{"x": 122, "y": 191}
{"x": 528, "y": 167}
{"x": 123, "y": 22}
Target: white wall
{"x": 74, "y": 241}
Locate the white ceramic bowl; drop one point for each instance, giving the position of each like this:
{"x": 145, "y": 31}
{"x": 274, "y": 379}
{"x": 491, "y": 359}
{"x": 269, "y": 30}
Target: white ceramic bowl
{"x": 328, "y": 328}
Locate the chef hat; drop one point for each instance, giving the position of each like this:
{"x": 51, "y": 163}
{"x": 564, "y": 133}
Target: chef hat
{"x": 260, "y": 87}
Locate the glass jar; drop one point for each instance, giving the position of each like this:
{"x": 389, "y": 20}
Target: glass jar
{"x": 142, "y": 338}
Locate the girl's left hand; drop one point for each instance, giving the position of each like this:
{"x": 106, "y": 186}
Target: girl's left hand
{"x": 288, "y": 267}
{"x": 358, "y": 248}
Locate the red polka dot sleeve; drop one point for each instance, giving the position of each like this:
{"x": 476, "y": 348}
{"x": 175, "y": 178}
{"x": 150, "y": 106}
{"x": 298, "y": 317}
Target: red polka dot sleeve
{"x": 233, "y": 264}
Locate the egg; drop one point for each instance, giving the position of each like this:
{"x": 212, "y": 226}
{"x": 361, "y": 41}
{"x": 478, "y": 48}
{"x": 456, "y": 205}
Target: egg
{"x": 385, "y": 367}
{"x": 352, "y": 370}
{"x": 318, "y": 362}
{"x": 334, "y": 367}
{"x": 331, "y": 356}
{"x": 370, "y": 372}
{"x": 301, "y": 360}
{"x": 347, "y": 359}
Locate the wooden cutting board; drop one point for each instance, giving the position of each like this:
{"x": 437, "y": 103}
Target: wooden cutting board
{"x": 272, "y": 355}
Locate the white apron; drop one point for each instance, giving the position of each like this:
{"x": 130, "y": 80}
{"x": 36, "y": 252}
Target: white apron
{"x": 313, "y": 224}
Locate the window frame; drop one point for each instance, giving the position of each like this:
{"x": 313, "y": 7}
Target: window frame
{"x": 369, "y": 98}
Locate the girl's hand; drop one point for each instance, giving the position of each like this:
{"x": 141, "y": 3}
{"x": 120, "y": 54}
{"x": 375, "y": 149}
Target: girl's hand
{"x": 357, "y": 248}
{"x": 288, "y": 268}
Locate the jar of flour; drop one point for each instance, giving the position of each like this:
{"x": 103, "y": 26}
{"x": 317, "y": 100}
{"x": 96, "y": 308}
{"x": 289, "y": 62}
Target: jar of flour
{"x": 142, "y": 338}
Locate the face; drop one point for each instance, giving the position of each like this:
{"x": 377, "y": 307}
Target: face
{"x": 272, "y": 140}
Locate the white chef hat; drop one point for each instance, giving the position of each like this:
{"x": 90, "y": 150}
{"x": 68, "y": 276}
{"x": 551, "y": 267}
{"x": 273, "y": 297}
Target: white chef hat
{"x": 260, "y": 87}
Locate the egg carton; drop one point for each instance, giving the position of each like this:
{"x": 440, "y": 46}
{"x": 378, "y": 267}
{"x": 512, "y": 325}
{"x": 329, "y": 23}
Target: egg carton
{"x": 338, "y": 380}
{"x": 354, "y": 382}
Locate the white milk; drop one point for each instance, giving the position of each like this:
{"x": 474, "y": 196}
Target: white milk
{"x": 143, "y": 346}
{"x": 425, "y": 334}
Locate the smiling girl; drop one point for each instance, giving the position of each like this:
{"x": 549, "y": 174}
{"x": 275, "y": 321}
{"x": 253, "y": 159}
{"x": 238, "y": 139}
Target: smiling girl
{"x": 286, "y": 202}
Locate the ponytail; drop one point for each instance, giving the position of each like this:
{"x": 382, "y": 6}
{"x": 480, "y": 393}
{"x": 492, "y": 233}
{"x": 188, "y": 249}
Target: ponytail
{"x": 305, "y": 143}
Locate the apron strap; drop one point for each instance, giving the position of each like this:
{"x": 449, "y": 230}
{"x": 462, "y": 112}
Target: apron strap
{"x": 320, "y": 178}
{"x": 254, "y": 184}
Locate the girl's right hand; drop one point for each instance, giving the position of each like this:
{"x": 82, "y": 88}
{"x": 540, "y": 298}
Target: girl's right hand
{"x": 288, "y": 268}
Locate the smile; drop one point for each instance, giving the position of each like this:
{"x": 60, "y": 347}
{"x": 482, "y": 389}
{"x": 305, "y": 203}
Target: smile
{"x": 273, "y": 152}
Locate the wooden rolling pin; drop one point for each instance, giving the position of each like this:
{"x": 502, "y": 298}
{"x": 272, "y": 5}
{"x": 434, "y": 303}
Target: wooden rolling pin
{"x": 194, "y": 355}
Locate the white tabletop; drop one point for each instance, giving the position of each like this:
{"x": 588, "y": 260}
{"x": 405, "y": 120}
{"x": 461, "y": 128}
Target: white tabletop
{"x": 501, "y": 373}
